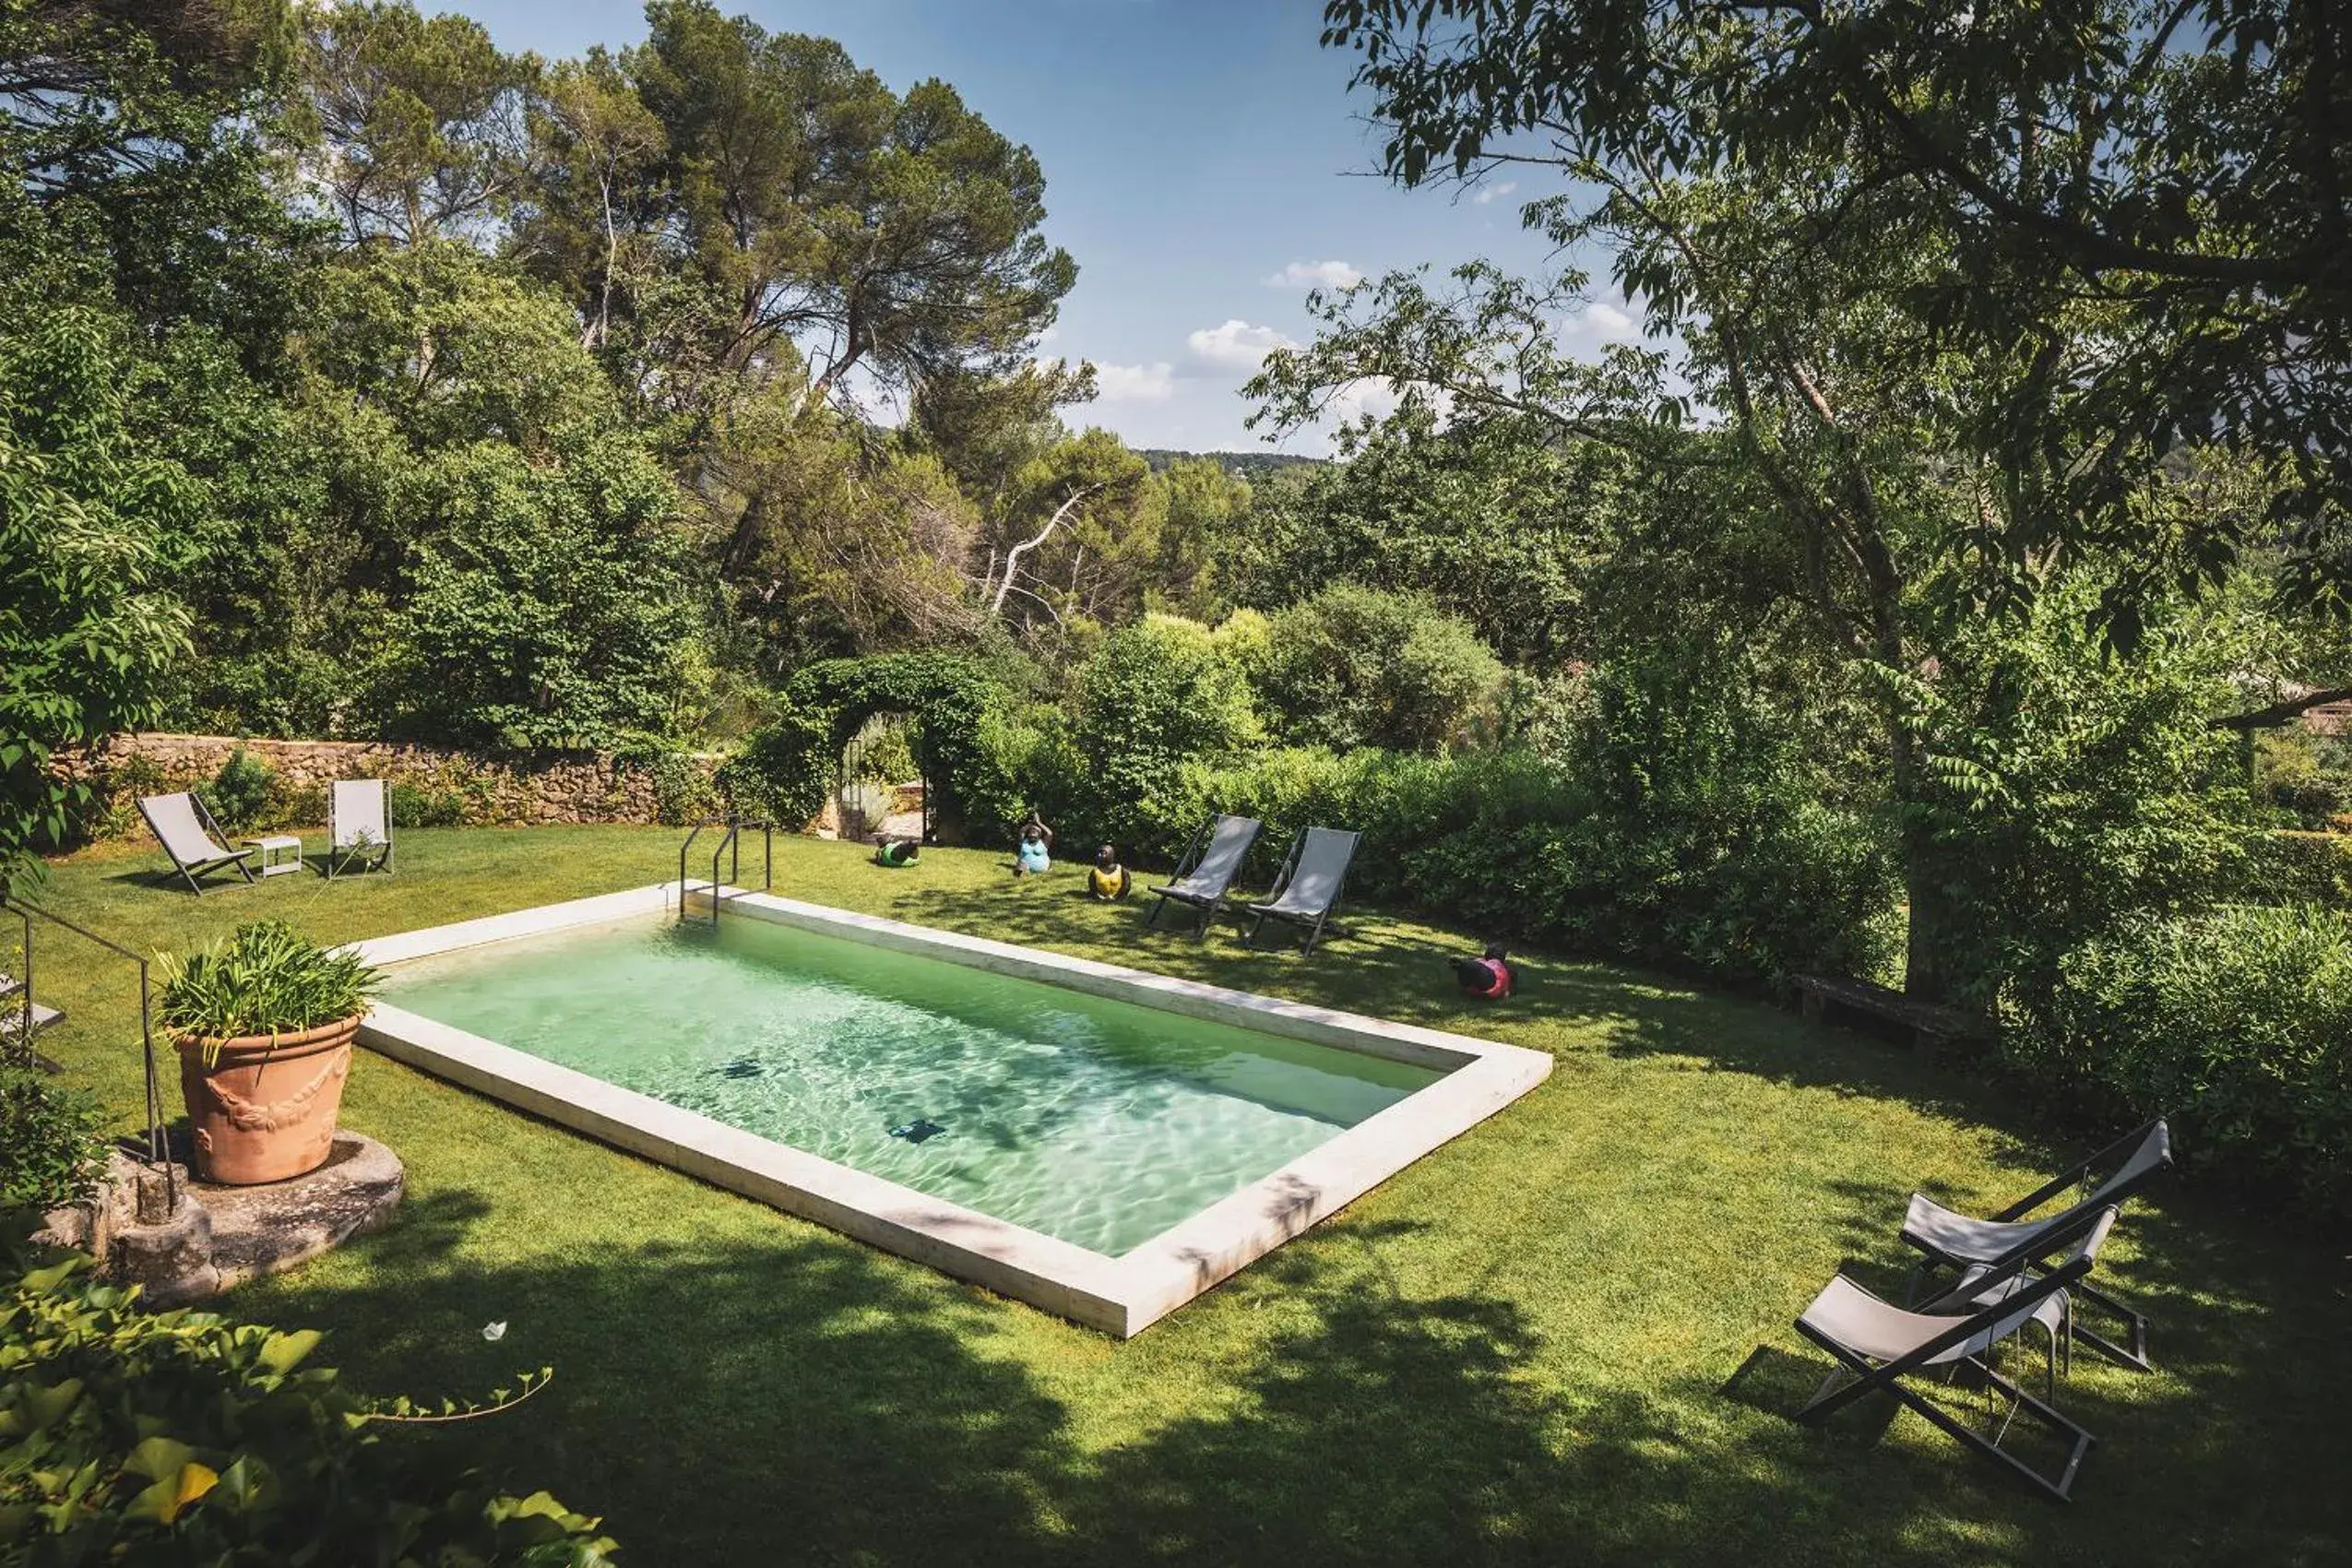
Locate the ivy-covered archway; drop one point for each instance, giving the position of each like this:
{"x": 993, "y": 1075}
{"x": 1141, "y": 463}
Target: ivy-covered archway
{"x": 790, "y": 763}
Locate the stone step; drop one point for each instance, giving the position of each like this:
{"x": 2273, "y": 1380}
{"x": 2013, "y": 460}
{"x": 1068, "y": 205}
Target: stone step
{"x": 12, "y": 1015}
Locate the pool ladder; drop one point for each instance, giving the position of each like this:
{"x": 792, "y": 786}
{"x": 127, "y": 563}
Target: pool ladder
{"x": 729, "y": 848}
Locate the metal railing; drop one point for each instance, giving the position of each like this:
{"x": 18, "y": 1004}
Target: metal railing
{"x": 158, "y": 1149}
{"x": 729, "y": 848}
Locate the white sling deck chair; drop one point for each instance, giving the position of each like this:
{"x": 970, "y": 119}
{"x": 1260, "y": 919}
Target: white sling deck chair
{"x": 1951, "y": 1240}
{"x": 359, "y": 826}
{"x": 192, "y": 838}
{"x": 1879, "y": 1345}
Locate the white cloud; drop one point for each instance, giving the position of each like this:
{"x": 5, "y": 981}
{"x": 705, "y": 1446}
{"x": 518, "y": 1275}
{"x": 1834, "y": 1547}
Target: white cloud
{"x": 1495, "y": 192}
{"x": 1236, "y": 346}
{"x": 1315, "y": 275}
{"x": 1134, "y": 382}
{"x": 1609, "y": 320}
{"x": 1374, "y": 395}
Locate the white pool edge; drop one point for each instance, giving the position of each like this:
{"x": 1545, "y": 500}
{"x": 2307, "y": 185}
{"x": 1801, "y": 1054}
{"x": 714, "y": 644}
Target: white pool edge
{"x": 1121, "y": 1296}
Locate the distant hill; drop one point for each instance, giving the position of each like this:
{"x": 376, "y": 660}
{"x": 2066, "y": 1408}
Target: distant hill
{"x": 1246, "y": 464}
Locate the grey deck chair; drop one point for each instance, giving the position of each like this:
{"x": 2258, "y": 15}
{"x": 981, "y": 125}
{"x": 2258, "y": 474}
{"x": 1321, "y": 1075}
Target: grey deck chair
{"x": 359, "y": 826}
{"x": 1205, "y": 873}
{"x": 192, "y": 838}
{"x": 1878, "y": 1346}
{"x": 1960, "y": 1241}
{"x": 1308, "y": 890}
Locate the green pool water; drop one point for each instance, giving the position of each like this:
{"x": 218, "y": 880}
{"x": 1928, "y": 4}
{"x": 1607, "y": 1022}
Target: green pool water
{"x": 1098, "y": 1122}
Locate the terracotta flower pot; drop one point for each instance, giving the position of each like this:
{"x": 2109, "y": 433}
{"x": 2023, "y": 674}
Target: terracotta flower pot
{"x": 266, "y": 1112}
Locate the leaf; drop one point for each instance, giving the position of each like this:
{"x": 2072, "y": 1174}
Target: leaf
{"x": 167, "y": 1498}
{"x": 284, "y": 1352}
{"x": 160, "y": 1458}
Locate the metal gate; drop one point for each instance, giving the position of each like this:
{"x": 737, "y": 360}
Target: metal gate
{"x": 855, "y": 776}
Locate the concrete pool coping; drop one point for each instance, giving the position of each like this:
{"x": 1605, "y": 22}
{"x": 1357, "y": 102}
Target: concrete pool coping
{"x": 1119, "y": 1295}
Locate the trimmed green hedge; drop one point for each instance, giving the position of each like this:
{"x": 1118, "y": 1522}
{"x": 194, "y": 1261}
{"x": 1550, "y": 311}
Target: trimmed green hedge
{"x": 1748, "y": 887}
{"x": 2237, "y": 1024}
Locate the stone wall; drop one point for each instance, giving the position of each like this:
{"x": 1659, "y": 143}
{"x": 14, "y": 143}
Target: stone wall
{"x": 449, "y": 786}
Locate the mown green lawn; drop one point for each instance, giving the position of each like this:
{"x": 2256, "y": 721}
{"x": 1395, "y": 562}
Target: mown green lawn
{"x": 1561, "y": 1339}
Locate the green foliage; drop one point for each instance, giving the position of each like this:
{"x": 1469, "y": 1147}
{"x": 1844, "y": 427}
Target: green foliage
{"x": 545, "y": 610}
{"x": 1360, "y": 667}
{"x": 1487, "y": 516}
{"x": 786, "y": 766}
{"x": 1746, "y": 886}
{"x": 239, "y": 791}
{"x": 267, "y": 977}
{"x": 416, "y": 805}
{"x": 51, "y": 1142}
{"x": 163, "y": 1438}
{"x": 2166, "y": 141}
{"x": 1157, "y": 694}
{"x": 2237, "y": 1022}
{"x": 86, "y": 634}
{"x": 683, "y": 788}
{"x": 2303, "y": 868}
{"x": 2300, "y": 775}
{"x": 2073, "y": 793}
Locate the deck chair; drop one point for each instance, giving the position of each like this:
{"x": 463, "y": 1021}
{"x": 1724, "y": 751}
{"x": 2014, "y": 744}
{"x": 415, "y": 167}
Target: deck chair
{"x": 1205, "y": 873}
{"x": 1308, "y": 890}
{"x": 359, "y": 826}
{"x": 1959, "y": 1241}
{"x": 192, "y": 838}
{"x": 1879, "y": 1346}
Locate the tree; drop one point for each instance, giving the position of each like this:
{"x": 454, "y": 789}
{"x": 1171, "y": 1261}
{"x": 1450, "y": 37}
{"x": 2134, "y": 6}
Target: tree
{"x": 418, "y": 121}
{"x": 1074, "y": 530}
{"x": 138, "y": 166}
{"x": 595, "y": 143}
{"x": 1358, "y": 667}
{"x": 543, "y": 605}
{"x": 87, "y": 635}
{"x": 895, "y": 237}
{"x": 2179, "y": 167}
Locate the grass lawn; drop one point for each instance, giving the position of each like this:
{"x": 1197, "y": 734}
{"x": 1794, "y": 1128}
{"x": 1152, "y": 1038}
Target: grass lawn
{"x": 1563, "y": 1339}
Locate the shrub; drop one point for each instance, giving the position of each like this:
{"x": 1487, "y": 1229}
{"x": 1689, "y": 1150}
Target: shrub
{"x": 239, "y": 794}
{"x": 413, "y": 805}
{"x": 683, "y": 790}
{"x": 1154, "y": 697}
{"x": 1518, "y": 845}
{"x": 1360, "y": 667}
{"x": 51, "y": 1150}
{"x": 2304, "y": 868}
{"x": 142, "y": 1438}
{"x": 2237, "y": 1023}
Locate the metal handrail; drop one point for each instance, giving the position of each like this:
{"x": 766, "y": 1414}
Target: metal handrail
{"x": 158, "y": 1151}
{"x": 730, "y": 846}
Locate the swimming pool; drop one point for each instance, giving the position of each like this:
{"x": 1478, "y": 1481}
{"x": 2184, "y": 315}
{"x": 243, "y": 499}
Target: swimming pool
{"x": 1093, "y": 1140}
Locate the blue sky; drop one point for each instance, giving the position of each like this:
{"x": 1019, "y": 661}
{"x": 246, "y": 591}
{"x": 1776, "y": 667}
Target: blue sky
{"x": 1202, "y": 158}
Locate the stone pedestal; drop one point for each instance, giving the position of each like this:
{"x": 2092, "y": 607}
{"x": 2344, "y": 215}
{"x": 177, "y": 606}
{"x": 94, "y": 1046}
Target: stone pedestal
{"x": 222, "y": 1236}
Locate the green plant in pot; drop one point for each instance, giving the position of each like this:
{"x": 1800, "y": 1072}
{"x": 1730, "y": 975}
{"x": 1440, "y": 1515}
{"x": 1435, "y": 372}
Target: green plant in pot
{"x": 264, "y": 1023}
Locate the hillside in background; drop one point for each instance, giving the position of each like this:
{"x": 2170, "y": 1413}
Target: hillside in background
{"x": 1247, "y": 464}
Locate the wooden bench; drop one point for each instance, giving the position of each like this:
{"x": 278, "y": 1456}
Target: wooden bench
{"x": 1928, "y": 1028}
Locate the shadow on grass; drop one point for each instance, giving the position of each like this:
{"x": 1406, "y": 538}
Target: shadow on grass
{"x": 801, "y": 1399}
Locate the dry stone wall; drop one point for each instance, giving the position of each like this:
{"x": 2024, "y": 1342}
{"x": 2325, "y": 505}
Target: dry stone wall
{"x": 448, "y": 786}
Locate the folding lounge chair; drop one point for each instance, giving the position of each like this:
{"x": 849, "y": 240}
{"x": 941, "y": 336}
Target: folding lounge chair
{"x": 1959, "y": 1241}
{"x": 1308, "y": 889}
{"x": 1206, "y": 871}
{"x": 359, "y": 826}
{"x": 1879, "y": 1345}
{"x": 192, "y": 838}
